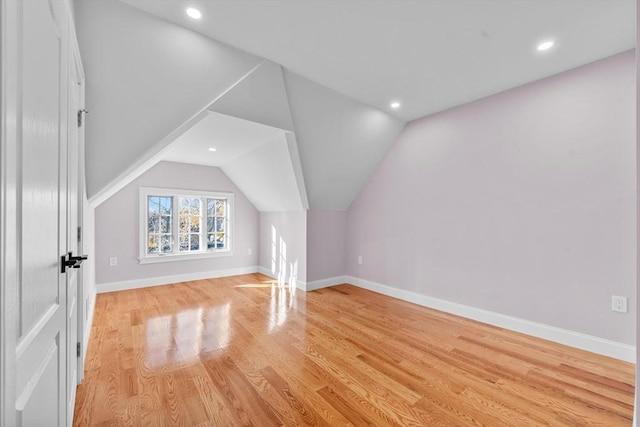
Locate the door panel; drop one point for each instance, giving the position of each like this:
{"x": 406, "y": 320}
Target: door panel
{"x": 40, "y": 152}
{"x": 41, "y": 354}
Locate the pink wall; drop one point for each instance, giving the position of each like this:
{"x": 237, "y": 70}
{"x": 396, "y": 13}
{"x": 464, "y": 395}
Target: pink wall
{"x": 522, "y": 203}
{"x": 326, "y": 244}
{"x": 117, "y": 224}
{"x": 290, "y": 229}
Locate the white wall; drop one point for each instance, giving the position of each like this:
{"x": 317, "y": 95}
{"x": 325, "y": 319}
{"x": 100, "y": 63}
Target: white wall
{"x": 117, "y": 227}
{"x": 522, "y": 203}
{"x": 283, "y": 245}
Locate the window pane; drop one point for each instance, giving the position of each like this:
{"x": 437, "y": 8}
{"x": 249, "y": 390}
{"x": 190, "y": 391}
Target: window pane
{"x": 184, "y": 223}
{"x": 165, "y": 224}
{"x": 219, "y": 224}
{"x": 195, "y": 223}
{"x": 210, "y": 207}
{"x": 220, "y": 207}
{"x": 220, "y": 243}
{"x": 152, "y": 244}
{"x": 195, "y": 242}
{"x": 153, "y": 205}
{"x": 166, "y": 245}
{"x": 165, "y": 205}
{"x": 211, "y": 241}
{"x": 189, "y": 215}
{"x": 184, "y": 242}
{"x": 154, "y": 224}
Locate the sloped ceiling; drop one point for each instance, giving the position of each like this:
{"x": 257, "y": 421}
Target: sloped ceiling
{"x": 429, "y": 54}
{"x": 267, "y": 175}
{"x": 340, "y": 139}
{"x": 260, "y": 97}
{"x": 231, "y": 137}
{"x": 150, "y": 80}
{"x": 145, "y": 78}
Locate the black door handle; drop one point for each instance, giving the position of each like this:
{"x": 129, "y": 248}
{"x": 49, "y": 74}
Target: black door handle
{"x": 71, "y": 262}
{"x": 77, "y": 258}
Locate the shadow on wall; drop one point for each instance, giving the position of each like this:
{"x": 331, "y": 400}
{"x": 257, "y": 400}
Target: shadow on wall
{"x": 279, "y": 262}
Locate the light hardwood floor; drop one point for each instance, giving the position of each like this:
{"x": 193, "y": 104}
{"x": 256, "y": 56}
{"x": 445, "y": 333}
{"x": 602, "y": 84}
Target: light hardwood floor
{"x": 243, "y": 351}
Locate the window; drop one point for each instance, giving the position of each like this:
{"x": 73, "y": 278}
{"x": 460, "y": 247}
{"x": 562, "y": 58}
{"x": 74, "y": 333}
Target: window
{"x": 179, "y": 224}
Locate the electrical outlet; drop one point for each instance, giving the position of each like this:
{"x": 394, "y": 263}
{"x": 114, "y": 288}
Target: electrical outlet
{"x": 619, "y": 304}
{"x": 113, "y": 261}
{"x": 360, "y": 261}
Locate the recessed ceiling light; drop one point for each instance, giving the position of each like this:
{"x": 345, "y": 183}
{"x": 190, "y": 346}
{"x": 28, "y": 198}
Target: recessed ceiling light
{"x": 212, "y": 149}
{"x": 395, "y": 104}
{"x": 194, "y": 13}
{"x": 546, "y": 45}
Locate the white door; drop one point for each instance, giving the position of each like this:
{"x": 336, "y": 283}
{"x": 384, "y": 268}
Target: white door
{"x": 40, "y": 316}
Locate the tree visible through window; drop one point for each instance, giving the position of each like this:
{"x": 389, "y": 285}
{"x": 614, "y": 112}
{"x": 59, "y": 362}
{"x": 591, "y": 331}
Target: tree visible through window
{"x": 175, "y": 224}
{"x": 189, "y": 232}
{"x": 159, "y": 222}
{"x": 216, "y": 230}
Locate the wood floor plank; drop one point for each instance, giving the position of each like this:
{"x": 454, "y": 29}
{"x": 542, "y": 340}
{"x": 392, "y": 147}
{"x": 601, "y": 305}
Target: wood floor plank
{"x": 244, "y": 351}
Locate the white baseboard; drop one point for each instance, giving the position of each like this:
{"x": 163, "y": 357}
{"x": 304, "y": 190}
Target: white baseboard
{"x": 563, "y": 336}
{"x": 265, "y": 271}
{"x": 325, "y": 283}
{"x": 166, "y": 280}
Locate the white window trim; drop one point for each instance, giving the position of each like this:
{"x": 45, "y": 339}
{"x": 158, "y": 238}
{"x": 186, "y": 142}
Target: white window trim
{"x": 145, "y": 258}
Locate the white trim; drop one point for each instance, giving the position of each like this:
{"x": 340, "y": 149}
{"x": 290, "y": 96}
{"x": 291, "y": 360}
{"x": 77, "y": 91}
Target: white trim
{"x": 10, "y": 219}
{"x": 175, "y": 195}
{"x": 325, "y": 283}
{"x": 152, "y": 259}
{"x": 590, "y": 343}
{"x": 167, "y": 280}
{"x": 266, "y": 272}
{"x": 87, "y": 330}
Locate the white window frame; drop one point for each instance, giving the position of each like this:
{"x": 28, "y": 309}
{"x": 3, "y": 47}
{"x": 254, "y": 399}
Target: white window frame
{"x": 146, "y": 258}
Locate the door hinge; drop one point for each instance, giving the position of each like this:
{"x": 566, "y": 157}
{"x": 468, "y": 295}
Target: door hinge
{"x": 79, "y": 350}
{"x": 80, "y": 113}
{"x": 79, "y": 234}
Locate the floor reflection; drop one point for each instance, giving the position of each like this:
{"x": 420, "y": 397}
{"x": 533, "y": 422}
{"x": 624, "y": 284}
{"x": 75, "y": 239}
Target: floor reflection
{"x": 182, "y": 337}
{"x": 282, "y": 300}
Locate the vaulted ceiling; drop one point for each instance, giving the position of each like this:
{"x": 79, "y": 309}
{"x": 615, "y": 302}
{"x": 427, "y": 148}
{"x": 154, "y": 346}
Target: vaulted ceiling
{"x": 428, "y": 54}
{"x": 295, "y": 96}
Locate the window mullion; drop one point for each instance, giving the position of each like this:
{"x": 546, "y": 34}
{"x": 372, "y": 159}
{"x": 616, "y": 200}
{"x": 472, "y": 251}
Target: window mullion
{"x": 175, "y": 226}
{"x": 203, "y": 223}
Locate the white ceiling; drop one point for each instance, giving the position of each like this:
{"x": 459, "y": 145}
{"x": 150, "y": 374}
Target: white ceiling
{"x": 230, "y": 136}
{"x": 429, "y": 55}
{"x": 254, "y": 156}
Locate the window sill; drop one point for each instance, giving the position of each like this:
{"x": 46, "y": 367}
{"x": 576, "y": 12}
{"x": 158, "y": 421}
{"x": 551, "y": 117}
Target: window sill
{"x": 152, "y": 259}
